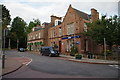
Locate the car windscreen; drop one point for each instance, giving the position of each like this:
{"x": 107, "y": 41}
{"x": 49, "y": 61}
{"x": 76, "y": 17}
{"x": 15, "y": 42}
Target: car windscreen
{"x": 51, "y": 49}
{"x": 47, "y": 48}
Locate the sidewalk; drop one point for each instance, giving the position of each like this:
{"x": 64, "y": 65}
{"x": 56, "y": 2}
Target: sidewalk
{"x": 84, "y": 60}
{"x": 91, "y": 61}
{"x": 13, "y": 63}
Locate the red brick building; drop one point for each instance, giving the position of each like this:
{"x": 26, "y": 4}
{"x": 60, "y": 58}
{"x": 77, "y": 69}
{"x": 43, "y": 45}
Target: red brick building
{"x": 67, "y": 31}
{"x": 37, "y": 37}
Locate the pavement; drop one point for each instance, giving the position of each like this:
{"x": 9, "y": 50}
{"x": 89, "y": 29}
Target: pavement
{"x": 14, "y": 63}
{"x": 90, "y": 61}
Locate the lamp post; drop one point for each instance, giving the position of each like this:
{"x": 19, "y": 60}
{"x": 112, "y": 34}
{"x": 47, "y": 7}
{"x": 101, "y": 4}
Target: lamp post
{"x": 9, "y": 47}
{"x": 3, "y": 56}
{"x": 105, "y": 48}
{"x": 17, "y": 43}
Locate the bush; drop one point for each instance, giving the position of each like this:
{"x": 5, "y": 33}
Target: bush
{"x": 78, "y": 56}
{"x": 108, "y": 53}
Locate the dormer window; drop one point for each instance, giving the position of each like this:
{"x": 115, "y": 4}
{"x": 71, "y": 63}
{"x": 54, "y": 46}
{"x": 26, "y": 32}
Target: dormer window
{"x": 57, "y": 22}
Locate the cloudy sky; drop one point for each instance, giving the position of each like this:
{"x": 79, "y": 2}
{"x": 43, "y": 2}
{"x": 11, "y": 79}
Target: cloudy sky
{"x": 43, "y": 9}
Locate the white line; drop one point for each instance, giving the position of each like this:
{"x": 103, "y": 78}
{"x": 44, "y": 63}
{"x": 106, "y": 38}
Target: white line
{"x": 114, "y": 66}
{"x": 29, "y": 62}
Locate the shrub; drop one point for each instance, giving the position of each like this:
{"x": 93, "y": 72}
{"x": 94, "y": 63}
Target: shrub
{"x": 78, "y": 56}
{"x": 108, "y": 52}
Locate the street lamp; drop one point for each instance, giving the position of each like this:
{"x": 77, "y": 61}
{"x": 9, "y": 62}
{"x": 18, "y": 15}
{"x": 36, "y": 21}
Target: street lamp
{"x": 9, "y": 47}
{"x": 105, "y": 48}
{"x": 17, "y": 43}
{"x": 3, "y": 56}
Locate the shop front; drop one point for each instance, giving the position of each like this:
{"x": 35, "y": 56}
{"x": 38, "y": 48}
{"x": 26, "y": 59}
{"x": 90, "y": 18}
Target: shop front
{"x": 69, "y": 42}
{"x": 34, "y": 46}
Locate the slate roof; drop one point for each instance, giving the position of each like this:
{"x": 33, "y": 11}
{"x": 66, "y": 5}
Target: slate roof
{"x": 82, "y": 14}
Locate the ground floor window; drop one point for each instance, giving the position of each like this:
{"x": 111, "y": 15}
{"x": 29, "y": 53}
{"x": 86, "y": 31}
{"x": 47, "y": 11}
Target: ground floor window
{"x": 69, "y": 44}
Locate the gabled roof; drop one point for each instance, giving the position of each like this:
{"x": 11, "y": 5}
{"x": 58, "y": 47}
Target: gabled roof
{"x": 82, "y": 14}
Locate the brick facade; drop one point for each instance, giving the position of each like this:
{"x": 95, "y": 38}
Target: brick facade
{"x": 65, "y": 32}
{"x": 38, "y": 38}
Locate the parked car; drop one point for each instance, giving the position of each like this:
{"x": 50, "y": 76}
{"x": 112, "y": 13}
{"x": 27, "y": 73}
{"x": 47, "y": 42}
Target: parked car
{"x": 49, "y": 51}
{"x": 21, "y": 49}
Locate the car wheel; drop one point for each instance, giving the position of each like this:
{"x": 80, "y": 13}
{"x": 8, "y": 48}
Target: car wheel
{"x": 50, "y": 55}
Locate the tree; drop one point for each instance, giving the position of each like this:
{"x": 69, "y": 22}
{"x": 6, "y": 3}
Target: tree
{"x": 18, "y": 32}
{"x": 108, "y": 28}
{"x": 32, "y": 24}
{"x": 5, "y": 16}
{"x": 4, "y": 21}
{"x": 37, "y": 22}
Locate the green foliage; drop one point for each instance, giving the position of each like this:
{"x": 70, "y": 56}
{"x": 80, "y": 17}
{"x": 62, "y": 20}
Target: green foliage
{"x": 78, "y": 56}
{"x": 30, "y": 26}
{"x": 108, "y": 52}
{"x": 5, "y": 16}
{"x": 18, "y": 32}
{"x": 37, "y": 22}
{"x": 108, "y": 28}
{"x": 42, "y": 44}
{"x": 74, "y": 50}
{"x": 55, "y": 46}
{"x": 33, "y": 24}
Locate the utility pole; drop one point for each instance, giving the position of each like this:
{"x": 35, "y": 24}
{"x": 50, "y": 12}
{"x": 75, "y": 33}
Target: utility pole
{"x": 3, "y": 56}
{"x": 105, "y": 48}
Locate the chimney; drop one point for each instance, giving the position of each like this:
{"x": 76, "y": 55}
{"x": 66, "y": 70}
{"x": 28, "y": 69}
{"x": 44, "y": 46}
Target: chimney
{"x": 94, "y": 14}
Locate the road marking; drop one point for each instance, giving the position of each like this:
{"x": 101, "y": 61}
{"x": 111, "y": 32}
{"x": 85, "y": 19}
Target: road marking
{"x": 115, "y": 66}
{"x": 29, "y": 62}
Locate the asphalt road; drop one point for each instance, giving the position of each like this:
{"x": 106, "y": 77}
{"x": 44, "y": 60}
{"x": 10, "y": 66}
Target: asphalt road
{"x": 61, "y": 68}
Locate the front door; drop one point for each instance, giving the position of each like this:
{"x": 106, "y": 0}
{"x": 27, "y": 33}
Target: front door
{"x": 60, "y": 47}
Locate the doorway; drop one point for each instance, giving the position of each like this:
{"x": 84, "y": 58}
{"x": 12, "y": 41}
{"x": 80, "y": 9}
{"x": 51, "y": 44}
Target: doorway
{"x": 60, "y": 47}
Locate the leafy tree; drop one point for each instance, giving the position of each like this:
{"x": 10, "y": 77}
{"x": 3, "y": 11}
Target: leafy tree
{"x": 32, "y": 24}
{"x": 18, "y": 32}
{"x": 4, "y": 21}
{"x": 5, "y": 16}
{"x": 37, "y": 22}
{"x": 105, "y": 28}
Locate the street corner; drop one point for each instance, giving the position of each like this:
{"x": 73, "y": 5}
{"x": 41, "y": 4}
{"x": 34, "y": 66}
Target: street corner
{"x": 11, "y": 65}
{"x": 89, "y": 61}
{"x": 23, "y": 60}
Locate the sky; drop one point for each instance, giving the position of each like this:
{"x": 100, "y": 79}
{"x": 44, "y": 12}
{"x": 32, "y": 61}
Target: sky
{"x": 43, "y": 9}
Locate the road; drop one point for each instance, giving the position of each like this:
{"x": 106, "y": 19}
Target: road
{"x": 53, "y": 67}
